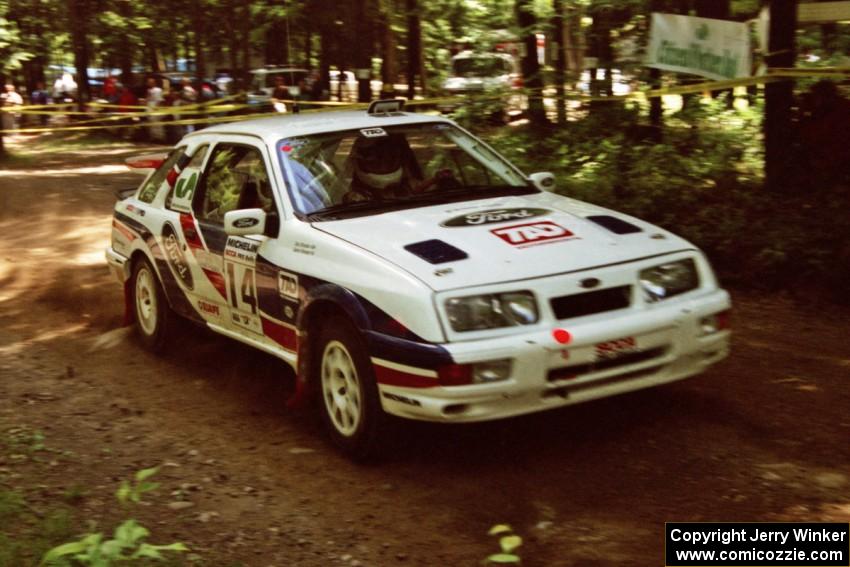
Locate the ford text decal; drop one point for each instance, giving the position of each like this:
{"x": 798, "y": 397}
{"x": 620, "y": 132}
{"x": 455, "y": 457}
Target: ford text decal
{"x": 245, "y": 222}
{"x": 174, "y": 255}
{"x": 495, "y": 215}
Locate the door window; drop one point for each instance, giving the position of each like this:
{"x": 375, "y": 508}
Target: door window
{"x": 236, "y": 178}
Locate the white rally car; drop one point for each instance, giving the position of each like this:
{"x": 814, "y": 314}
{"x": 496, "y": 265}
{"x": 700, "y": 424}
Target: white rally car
{"x": 402, "y": 267}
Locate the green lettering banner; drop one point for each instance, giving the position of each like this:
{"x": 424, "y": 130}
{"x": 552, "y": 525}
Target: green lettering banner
{"x": 717, "y": 49}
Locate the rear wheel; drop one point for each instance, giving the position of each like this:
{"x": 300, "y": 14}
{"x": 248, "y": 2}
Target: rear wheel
{"x": 153, "y": 316}
{"x": 347, "y": 393}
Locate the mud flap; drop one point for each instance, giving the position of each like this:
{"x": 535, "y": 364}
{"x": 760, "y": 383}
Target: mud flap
{"x": 129, "y": 308}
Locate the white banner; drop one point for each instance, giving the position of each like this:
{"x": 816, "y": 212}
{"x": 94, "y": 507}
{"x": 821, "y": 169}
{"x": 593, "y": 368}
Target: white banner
{"x": 717, "y": 49}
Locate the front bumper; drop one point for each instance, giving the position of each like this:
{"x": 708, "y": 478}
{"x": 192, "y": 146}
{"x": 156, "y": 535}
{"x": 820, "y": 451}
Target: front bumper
{"x": 668, "y": 346}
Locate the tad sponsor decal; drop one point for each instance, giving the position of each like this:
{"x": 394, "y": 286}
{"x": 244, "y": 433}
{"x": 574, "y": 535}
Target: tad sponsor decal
{"x": 493, "y": 216}
{"x": 530, "y": 234}
{"x": 174, "y": 255}
{"x": 287, "y": 285}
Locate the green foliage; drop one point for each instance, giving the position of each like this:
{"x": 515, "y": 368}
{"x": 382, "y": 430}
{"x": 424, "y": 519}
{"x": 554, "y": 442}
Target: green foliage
{"x": 11, "y": 505}
{"x": 508, "y": 544}
{"x": 133, "y": 491}
{"x": 127, "y": 543}
{"x": 12, "y": 53}
{"x": 703, "y": 181}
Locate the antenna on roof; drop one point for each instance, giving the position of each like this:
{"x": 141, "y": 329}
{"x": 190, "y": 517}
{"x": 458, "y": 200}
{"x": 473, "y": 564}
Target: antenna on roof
{"x": 385, "y": 106}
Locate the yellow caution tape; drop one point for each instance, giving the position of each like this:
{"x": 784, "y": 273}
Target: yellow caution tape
{"x": 154, "y": 116}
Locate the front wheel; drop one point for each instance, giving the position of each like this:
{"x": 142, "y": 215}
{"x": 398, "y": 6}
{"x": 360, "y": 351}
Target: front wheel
{"x": 348, "y": 395}
{"x": 153, "y": 317}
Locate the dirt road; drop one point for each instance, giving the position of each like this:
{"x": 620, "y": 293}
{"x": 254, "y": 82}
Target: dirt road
{"x": 763, "y": 436}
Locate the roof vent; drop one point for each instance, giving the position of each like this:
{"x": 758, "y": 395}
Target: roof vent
{"x": 615, "y": 225}
{"x": 385, "y": 106}
{"x": 436, "y": 251}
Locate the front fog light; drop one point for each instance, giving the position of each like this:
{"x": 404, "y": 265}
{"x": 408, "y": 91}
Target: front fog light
{"x": 491, "y": 371}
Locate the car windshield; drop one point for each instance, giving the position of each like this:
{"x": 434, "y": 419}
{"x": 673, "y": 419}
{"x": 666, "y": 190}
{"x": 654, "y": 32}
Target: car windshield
{"x": 479, "y": 67}
{"x": 359, "y": 172}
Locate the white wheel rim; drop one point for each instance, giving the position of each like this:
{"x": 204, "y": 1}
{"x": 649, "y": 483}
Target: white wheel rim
{"x": 146, "y": 301}
{"x": 341, "y": 388}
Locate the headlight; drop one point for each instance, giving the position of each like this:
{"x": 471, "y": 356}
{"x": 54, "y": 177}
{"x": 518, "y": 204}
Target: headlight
{"x": 667, "y": 280}
{"x": 478, "y": 312}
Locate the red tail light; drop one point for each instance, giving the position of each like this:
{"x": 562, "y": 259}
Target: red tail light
{"x": 724, "y": 320}
{"x": 455, "y": 374}
{"x": 518, "y": 82}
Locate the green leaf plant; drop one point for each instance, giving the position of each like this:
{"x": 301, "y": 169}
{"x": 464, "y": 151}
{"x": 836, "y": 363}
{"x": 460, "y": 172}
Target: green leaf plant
{"x": 509, "y": 542}
{"x": 127, "y": 543}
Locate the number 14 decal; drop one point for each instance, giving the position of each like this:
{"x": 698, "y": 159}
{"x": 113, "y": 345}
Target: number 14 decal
{"x": 243, "y": 297}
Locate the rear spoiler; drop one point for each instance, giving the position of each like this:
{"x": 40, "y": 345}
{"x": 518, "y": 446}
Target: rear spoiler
{"x": 122, "y": 194}
{"x": 144, "y": 164}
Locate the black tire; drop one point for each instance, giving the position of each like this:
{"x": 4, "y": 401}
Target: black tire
{"x": 346, "y": 393}
{"x": 152, "y": 316}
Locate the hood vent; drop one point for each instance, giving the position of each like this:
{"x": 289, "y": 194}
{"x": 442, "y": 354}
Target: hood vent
{"x": 436, "y": 251}
{"x": 615, "y": 225}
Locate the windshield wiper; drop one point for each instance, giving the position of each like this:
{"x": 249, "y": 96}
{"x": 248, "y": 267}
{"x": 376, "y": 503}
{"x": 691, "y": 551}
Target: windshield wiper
{"x": 470, "y": 192}
{"x": 344, "y": 209}
{"x": 473, "y": 191}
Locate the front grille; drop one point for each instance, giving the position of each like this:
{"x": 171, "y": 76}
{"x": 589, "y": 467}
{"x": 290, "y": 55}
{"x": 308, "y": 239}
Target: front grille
{"x": 576, "y": 370}
{"x": 567, "y": 389}
{"x": 579, "y": 304}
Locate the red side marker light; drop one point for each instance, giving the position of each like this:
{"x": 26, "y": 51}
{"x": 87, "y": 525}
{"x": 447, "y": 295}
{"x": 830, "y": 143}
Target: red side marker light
{"x": 562, "y": 336}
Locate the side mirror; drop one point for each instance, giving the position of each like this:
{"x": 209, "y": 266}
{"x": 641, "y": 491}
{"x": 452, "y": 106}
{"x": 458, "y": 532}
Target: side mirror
{"x": 245, "y": 222}
{"x": 543, "y": 180}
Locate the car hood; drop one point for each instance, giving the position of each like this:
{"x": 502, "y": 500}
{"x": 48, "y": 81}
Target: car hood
{"x": 503, "y": 239}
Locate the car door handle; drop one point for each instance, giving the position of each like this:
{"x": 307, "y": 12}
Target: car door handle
{"x": 190, "y": 234}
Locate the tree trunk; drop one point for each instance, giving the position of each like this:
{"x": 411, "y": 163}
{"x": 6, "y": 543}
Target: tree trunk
{"x": 389, "y": 68}
{"x": 414, "y": 47}
{"x": 154, "y": 58}
{"x": 828, "y": 35}
{"x": 308, "y": 47}
{"x": 530, "y": 65}
{"x": 363, "y": 48}
{"x": 233, "y": 46}
{"x": 198, "y": 28}
{"x": 779, "y": 97}
{"x": 559, "y": 53}
{"x": 245, "y": 36}
{"x": 79, "y": 16}
{"x": 325, "y": 50}
{"x": 656, "y": 104}
{"x": 575, "y": 39}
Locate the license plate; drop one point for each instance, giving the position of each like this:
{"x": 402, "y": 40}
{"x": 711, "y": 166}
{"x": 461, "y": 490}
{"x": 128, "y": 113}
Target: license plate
{"x": 616, "y": 348}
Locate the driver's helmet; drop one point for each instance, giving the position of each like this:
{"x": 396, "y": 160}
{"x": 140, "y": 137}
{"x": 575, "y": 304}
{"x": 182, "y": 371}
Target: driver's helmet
{"x": 378, "y": 162}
